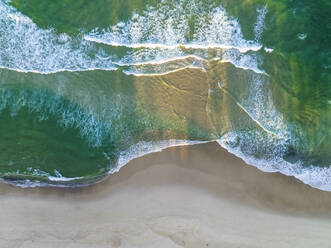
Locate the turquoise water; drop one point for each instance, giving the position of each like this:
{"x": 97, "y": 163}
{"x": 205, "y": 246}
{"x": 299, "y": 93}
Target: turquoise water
{"x": 86, "y": 86}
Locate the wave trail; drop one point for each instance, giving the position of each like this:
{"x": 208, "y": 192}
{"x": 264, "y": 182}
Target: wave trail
{"x": 247, "y": 112}
{"x": 253, "y": 47}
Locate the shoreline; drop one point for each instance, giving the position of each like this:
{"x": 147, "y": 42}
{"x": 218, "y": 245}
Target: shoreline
{"x": 186, "y": 196}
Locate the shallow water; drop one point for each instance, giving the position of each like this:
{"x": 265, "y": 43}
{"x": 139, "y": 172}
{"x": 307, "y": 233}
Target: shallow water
{"x": 86, "y": 87}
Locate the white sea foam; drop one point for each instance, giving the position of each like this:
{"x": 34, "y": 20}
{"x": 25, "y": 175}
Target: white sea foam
{"x": 266, "y": 150}
{"x": 302, "y": 36}
{"x": 92, "y": 125}
{"x": 258, "y": 103}
{"x": 163, "y": 61}
{"x": 58, "y": 70}
{"x": 37, "y": 172}
{"x": 199, "y": 46}
{"x": 259, "y": 24}
{"x": 60, "y": 178}
{"x": 317, "y": 177}
{"x": 135, "y": 151}
{"x": 155, "y": 38}
{"x": 268, "y": 50}
{"x": 141, "y": 73}
{"x": 160, "y": 33}
{"x": 25, "y": 47}
{"x": 23, "y": 183}
{"x": 242, "y": 60}
{"x": 143, "y": 148}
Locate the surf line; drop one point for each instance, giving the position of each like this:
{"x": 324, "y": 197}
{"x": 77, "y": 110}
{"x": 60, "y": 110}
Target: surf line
{"x": 244, "y": 49}
{"x": 222, "y": 87}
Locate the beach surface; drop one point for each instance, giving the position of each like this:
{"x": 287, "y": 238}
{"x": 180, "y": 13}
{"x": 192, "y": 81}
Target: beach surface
{"x": 189, "y": 196}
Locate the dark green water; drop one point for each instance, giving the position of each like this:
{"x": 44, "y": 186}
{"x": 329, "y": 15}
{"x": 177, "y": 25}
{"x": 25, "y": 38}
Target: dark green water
{"x": 85, "y": 86}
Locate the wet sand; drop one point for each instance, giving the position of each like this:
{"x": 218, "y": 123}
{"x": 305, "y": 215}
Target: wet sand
{"x": 190, "y": 196}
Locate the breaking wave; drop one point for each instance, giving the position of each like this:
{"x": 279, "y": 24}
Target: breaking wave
{"x": 92, "y": 88}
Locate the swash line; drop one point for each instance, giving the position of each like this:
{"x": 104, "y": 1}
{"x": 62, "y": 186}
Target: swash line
{"x": 242, "y": 107}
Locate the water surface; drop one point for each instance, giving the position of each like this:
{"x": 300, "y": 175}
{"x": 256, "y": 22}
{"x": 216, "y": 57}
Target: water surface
{"x": 87, "y": 86}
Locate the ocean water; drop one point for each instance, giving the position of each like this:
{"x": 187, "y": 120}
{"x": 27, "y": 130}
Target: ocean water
{"x": 87, "y": 86}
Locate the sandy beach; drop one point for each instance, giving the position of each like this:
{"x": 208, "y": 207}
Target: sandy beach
{"x": 191, "y": 196}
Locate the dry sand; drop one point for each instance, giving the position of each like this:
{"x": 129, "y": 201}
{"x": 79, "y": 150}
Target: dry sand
{"x": 194, "y": 196}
